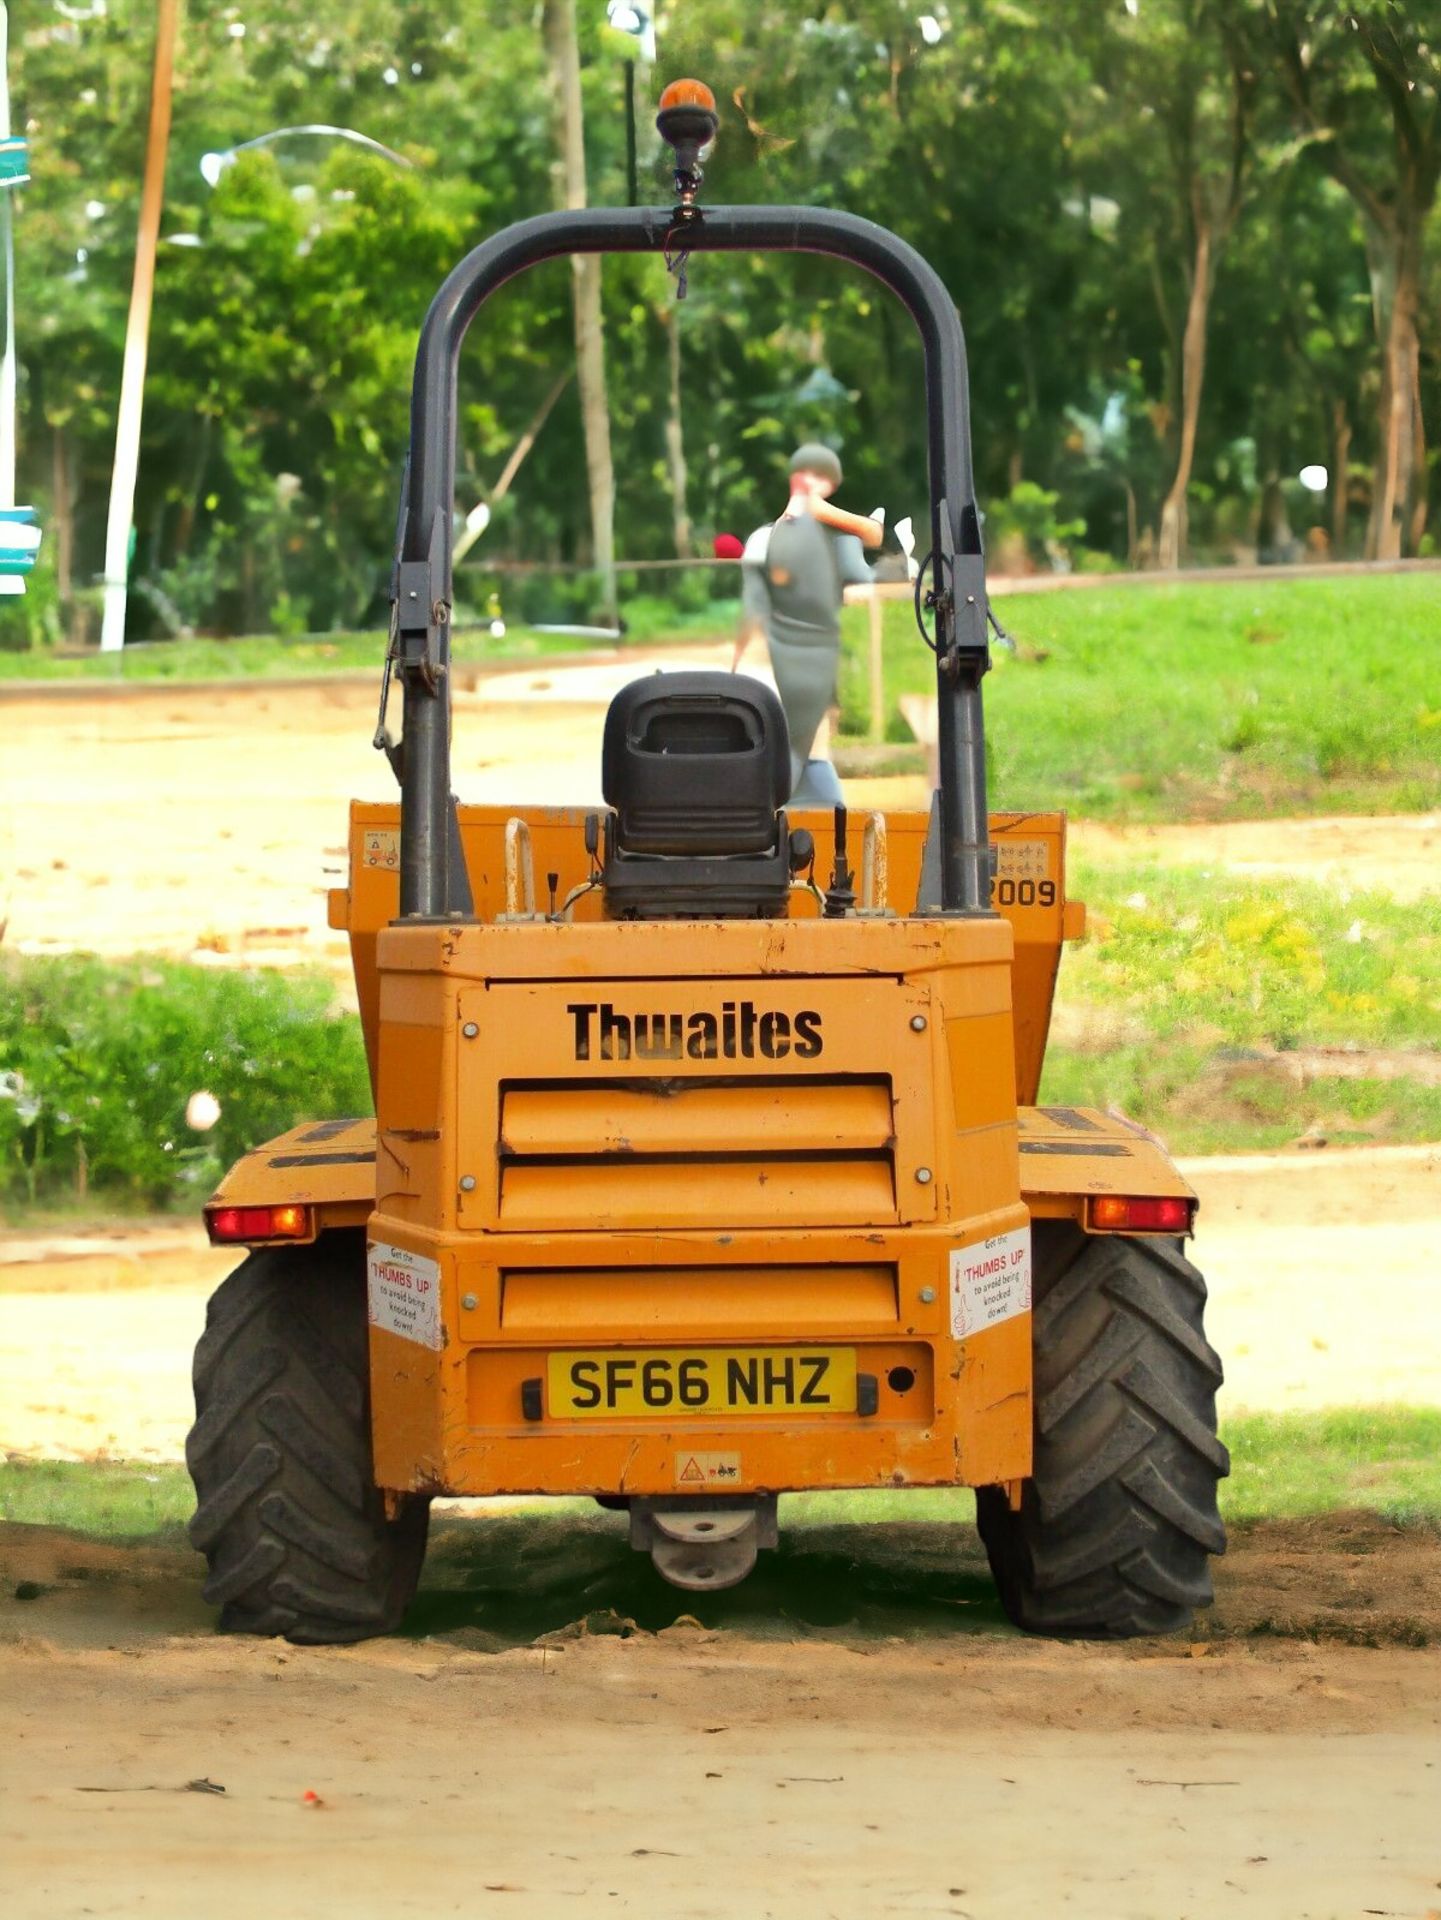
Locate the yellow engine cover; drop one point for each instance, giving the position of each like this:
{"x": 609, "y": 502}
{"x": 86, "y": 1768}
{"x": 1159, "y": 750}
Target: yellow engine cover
{"x": 687, "y": 1206}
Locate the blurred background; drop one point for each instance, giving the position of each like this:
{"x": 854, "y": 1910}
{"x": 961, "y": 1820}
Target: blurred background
{"x": 1193, "y": 242}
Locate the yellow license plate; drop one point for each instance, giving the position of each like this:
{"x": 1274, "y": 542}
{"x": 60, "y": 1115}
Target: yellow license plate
{"x": 712, "y": 1381}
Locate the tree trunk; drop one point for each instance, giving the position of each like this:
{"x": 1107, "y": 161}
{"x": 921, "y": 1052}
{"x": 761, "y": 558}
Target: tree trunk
{"x": 560, "y": 36}
{"x": 1171, "y": 546}
{"x": 63, "y": 508}
{"x": 675, "y": 439}
{"x": 1398, "y": 491}
{"x": 194, "y": 498}
{"x": 1340, "y": 477}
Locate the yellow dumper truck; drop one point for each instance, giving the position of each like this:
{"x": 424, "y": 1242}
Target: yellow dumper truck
{"x": 705, "y": 1163}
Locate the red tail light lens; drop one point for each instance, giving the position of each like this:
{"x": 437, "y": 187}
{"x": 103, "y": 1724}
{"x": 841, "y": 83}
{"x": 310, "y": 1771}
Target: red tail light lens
{"x": 258, "y": 1223}
{"x": 1119, "y": 1213}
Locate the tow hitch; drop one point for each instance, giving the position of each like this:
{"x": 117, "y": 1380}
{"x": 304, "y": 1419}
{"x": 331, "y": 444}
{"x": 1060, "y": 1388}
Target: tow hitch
{"x": 703, "y": 1544}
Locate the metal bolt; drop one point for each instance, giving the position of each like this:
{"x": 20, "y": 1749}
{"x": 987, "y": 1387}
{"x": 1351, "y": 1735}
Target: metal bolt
{"x": 469, "y": 1302}
{"x": 923, "y": 1177}
{"x": 918, "y": 1023}
{"x": 470, "y": 1029}
{"x": 467, "y": 1182}
{"x": 927, "y": 1296}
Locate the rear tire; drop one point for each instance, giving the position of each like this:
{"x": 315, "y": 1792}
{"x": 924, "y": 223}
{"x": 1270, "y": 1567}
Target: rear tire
{"x": 1119, "y": 1519}
{"x": 288, "y": 1515}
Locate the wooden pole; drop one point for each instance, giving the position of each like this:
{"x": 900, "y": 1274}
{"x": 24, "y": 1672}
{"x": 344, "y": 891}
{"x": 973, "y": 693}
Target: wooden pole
{"x": 137, "y": 337}
{"x": 878, "y": 681}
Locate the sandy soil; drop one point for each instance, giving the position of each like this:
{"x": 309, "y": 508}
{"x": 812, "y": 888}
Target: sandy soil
{"x": 703, "y": 1773}
{"x": 211, "y": 822}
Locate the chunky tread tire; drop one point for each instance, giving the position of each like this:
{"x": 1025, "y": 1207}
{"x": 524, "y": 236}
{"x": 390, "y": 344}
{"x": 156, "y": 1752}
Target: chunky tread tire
{"x": 1119, "y": 1518}
{"x": 287, "y": 1513}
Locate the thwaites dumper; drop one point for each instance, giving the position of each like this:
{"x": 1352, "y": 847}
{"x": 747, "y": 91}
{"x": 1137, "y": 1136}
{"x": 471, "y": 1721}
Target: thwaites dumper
{"x": 693, "y": 1183}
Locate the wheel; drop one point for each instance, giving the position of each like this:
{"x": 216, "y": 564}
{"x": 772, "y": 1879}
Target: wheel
{"x": 1119, "y": 1518}
{"x": 288, "y": 1515}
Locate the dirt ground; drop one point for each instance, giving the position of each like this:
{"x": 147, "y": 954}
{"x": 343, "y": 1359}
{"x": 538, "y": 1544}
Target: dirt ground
{"x": 210, "y": 822}
{"x": 853, "y": 1732}
{"x": 933, "y": 1769}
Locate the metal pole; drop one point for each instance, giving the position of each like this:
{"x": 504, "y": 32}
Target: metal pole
{"x": 7, "y": 236}
{"x": 137, "y": 332}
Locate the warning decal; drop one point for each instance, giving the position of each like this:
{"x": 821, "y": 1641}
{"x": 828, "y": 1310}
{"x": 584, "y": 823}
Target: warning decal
{"x": 990, "y": 1282}
{"x": 1023, "y": 859}
{"x": 381, "y": 848}
{"x": 405, "y": 1294}
{"x": 699, "y": 1470}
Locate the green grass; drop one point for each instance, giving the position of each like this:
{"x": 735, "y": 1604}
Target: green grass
{"x": 1193, "y": 992}
{"x": 1273, "y": 962}
{"x": 1232, "y": 699}
{"x": 1288, "y": 1465}
{"x": 648, "y": 621}
{"x": 1284, "y": 1466}
{"x": 1386, "y": 1460}
{"x": 1200, "y": 1101}
{"x": 108, "y": 1500}
{"x": 268, "y": 657}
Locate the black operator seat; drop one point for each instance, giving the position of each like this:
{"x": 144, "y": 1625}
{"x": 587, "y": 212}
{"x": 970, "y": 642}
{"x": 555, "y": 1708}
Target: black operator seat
{"x": 696, "y": 768}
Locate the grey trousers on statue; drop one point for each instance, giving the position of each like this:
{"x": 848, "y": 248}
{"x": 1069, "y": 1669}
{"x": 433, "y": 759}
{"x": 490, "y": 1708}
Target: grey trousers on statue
{"x": 806, "y": 679}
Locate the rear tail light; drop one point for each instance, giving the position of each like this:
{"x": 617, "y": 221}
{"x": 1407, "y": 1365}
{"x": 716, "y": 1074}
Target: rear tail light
{"x": 227, "y": 1224}
{"x": 1119, "y": 1213}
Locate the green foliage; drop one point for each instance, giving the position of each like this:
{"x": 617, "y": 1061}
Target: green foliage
{"x": 1231, "y": 700}
{"x": 1049, "y": 161}
{"x": 1025, "y": 532}
{"x": 1192, "y": 995}
{"x": 98, "y": 1061}
{"x": 1274, "y": 963}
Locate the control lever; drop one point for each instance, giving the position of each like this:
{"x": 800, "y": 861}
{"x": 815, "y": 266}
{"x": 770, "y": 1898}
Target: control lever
{"x": 841, "y": 893}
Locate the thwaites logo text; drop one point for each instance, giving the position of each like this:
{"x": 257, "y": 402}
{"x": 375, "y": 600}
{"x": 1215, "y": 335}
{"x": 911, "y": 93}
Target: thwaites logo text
{"x": 740, "y": 1031}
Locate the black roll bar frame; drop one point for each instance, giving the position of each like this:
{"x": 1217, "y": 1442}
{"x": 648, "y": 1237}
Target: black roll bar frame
{"x": 432, "y": 882}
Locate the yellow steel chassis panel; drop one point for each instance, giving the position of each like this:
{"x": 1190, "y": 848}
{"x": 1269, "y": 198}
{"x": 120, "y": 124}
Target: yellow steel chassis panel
{"x": 1067, "y": 1154}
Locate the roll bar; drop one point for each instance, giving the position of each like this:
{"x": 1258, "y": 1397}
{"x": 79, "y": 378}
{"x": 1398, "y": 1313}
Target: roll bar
{"x": 432, "y": 882}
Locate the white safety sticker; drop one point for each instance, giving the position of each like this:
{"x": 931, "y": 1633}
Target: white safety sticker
{"x": 990, "y": 1282}
{"x": 405, "y": 1294}
{"x": 697, "y": 1470}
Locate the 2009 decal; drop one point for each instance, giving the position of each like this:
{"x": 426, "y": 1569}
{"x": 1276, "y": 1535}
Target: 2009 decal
{"x": 1023, "y": 893}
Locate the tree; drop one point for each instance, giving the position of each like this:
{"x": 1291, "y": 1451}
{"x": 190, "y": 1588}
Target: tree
{"x": 1364, "y": 83}
{"x": 560, "y": 34}
{"x": 1070, "y": 169}
{"x": 1176, "y": 156}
